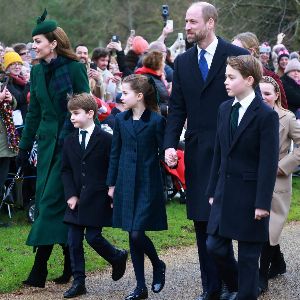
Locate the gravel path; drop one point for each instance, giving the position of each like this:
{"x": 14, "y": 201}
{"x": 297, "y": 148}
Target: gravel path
{"x": 182, "y": 277}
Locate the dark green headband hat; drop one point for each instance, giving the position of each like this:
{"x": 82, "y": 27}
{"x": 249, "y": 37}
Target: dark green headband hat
{"x": 44, "y": 26}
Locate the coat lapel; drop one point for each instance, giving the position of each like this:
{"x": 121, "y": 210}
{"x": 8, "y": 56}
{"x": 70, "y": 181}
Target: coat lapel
{"x": 226, "y": 126}
{"x": 143, "y": 123}
{"x": 92, "y": 142}
{"x": 75, "y": 144}
{"x": 41, "y": 82}
{"x": 218, "y": 62}
{"x": 247, "y": 118}
{"x": 194, "y": 66}
{"x": 128, "y": 123}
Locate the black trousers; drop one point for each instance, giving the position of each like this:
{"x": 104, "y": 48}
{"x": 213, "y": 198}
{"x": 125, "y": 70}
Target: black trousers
{"x": 210, "y": 278}
{"x": 4, "y": 168}
{"x": 241, "y": 276}
{"x": 95, "y": 239}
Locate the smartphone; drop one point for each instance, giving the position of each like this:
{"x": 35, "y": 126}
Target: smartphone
{"x": 4, "y": 84}
{"x": 93, "y": 65}
{"x": 132, "y": 32}
{"x": 115, "y": 38}
{"x": 170, "y": 24}
{"x": 180, "y": 36}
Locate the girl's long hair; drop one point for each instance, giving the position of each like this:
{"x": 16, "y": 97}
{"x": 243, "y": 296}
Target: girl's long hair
{"x": 142, "y": 84}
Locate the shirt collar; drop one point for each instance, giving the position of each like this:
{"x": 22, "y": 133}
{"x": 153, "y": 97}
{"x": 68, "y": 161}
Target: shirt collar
{"x": 211, "y": 48}
{"x": 246, "y": 101}
{"x": 90, "y": 129}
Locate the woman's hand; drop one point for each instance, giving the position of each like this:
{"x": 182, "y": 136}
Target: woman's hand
{"x": 8, "y": 96}
{"x": 72, "y": 202}
{"x": 2, "y": 95}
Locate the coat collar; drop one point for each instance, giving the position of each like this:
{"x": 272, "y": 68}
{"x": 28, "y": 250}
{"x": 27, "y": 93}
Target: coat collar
{"x": 218, "y": 62}
{"x": 247, "y": 118}
{"x": 144, "y": 120}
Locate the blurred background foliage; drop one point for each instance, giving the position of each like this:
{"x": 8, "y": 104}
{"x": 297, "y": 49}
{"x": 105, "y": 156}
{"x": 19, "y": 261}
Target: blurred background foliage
{"x": 94, "y": 21}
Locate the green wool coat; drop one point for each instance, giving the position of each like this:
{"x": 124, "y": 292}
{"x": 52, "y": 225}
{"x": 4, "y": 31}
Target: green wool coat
{"x": 44, "y": 122}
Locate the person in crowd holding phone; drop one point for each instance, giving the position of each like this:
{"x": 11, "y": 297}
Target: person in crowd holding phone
{"x": 94, "y": 75}
{"x": 58, "y": 74}
{"x": 198, "y": 90}
{"x": 101, "y": 57}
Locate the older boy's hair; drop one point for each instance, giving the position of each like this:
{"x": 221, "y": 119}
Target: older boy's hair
{"x": 83, "y": 101}
{"x": 247, "y": 65}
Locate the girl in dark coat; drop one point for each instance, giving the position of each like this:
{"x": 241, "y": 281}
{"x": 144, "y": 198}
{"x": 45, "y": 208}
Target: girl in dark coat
{"x": 47, "y": 120}
{"x": 134, "y": 177}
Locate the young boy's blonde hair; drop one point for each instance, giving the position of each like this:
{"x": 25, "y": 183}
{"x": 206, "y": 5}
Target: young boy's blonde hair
{"x": 83, "y": 101}
{"x": 247, "y": 65}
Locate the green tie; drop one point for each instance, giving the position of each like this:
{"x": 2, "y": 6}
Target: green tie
{"x": 234, "y": 117}
{"x": 82, "y": 144}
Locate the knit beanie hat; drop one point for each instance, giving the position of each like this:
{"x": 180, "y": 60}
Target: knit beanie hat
{"x": 139, "y": 45}
{"x": 283, "y": 53}
{"x": 44, "y": 26}
{"x": 292, "y": 65}
{"x": 10, "y": 58}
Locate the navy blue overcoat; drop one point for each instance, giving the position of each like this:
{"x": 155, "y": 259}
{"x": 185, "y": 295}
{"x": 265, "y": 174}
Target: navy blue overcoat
{"x": 134, "y": 170}
{"x": 244, "y": 172}
{"x": 197, "y": 101}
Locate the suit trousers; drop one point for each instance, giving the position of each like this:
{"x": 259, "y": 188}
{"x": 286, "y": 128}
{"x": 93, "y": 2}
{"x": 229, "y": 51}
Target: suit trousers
{"x": 210, "y": 279}
{"x": 95, "y": 239}
{"x": 241, "y": 276}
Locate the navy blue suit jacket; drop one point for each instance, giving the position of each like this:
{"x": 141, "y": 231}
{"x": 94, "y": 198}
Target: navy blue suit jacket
{"x": 244, "y": 172}
{"x": 198, "y": 101}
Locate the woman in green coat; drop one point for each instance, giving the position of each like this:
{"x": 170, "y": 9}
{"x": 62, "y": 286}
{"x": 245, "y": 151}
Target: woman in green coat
{"x": 58, "y": 74}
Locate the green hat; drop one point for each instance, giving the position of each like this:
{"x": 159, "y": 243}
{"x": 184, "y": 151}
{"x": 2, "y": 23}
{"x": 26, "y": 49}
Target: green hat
{"x": 43, "y": 26}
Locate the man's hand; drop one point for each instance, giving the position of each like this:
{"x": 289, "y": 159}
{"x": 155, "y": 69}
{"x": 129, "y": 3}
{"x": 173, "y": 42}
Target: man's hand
{"x": 171, "y": 157}
{"x": 111, "y": 191}
{"x": 114, "y": 46}
{"x": 261, "y": 213}
{"x": 211, "y": 200}
{"x": 93, "y": 74}
{"x": 72, "y": 202}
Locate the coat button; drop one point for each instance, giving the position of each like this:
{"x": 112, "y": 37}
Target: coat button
{"x": 227, "y": 176}
{"x": 83, "y": 174}
{"x": 83, "y": 186}
{"x": 83, "y": 162}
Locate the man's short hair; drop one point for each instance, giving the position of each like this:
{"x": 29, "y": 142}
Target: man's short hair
{"x": 83, "y": 101}
{"x": 208, "y": 11}
{"x": 99, "y": 52}
{"x": 247, "y": 65}
{"x": 80, "y": 45}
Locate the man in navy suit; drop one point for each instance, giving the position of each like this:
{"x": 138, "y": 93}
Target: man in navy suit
{"x": 84, "y": 171}
{"x": 198, "y": 90}
{"x": 242, "y": 179}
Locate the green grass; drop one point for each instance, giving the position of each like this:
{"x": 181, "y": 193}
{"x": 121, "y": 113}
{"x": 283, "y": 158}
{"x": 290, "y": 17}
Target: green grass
{"x": 16, "y": 258}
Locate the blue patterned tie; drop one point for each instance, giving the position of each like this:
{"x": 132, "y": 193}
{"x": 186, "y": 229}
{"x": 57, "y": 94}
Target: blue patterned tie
{"x": 82, "y": 144}
{"x": 203, "y": 66}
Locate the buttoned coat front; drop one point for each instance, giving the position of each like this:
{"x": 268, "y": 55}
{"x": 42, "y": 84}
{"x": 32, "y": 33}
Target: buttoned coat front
{"x": 197, "y": 101}
{"x": 135, "y": 172}
{"x": 84, "y": 176}
{"x": 289, "y": 130}
{"x": 243, "y": 173}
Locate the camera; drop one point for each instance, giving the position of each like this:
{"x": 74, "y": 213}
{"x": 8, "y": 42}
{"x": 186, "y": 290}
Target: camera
{"x": 165, "y": 11}
{"x": 114, "y": 38}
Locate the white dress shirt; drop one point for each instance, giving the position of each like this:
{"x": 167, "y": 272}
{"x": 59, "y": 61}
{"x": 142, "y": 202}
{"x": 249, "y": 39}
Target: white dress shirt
{"x": 210, "y": 52}
{"x": 88, "y": 135}
{"x": 244, "y": 105}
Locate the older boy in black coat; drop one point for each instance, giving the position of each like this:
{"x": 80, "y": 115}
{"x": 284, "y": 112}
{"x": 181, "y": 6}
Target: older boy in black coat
{"x": 84, "y": 170}
{"x": 242, "y": 178}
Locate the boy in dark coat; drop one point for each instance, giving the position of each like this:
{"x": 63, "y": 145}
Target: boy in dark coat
{"x": 242, "y": 178}
{"x": 84, "y": 171}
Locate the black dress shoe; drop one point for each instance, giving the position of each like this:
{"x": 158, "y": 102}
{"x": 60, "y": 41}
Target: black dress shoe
{"x": 138, "y": 293}
{"x": 262, "y": 285}
{"x": 159, "y": 277}
{"x": 119, "y": 267}
{"x": 36, "y": 283}
{"x": 226, "y": 294}
{"x": 232, "y": 296}
{"x": 209, "y": 296}
{"x": 75, "y": 290}
{"x": 35, "y": 280}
